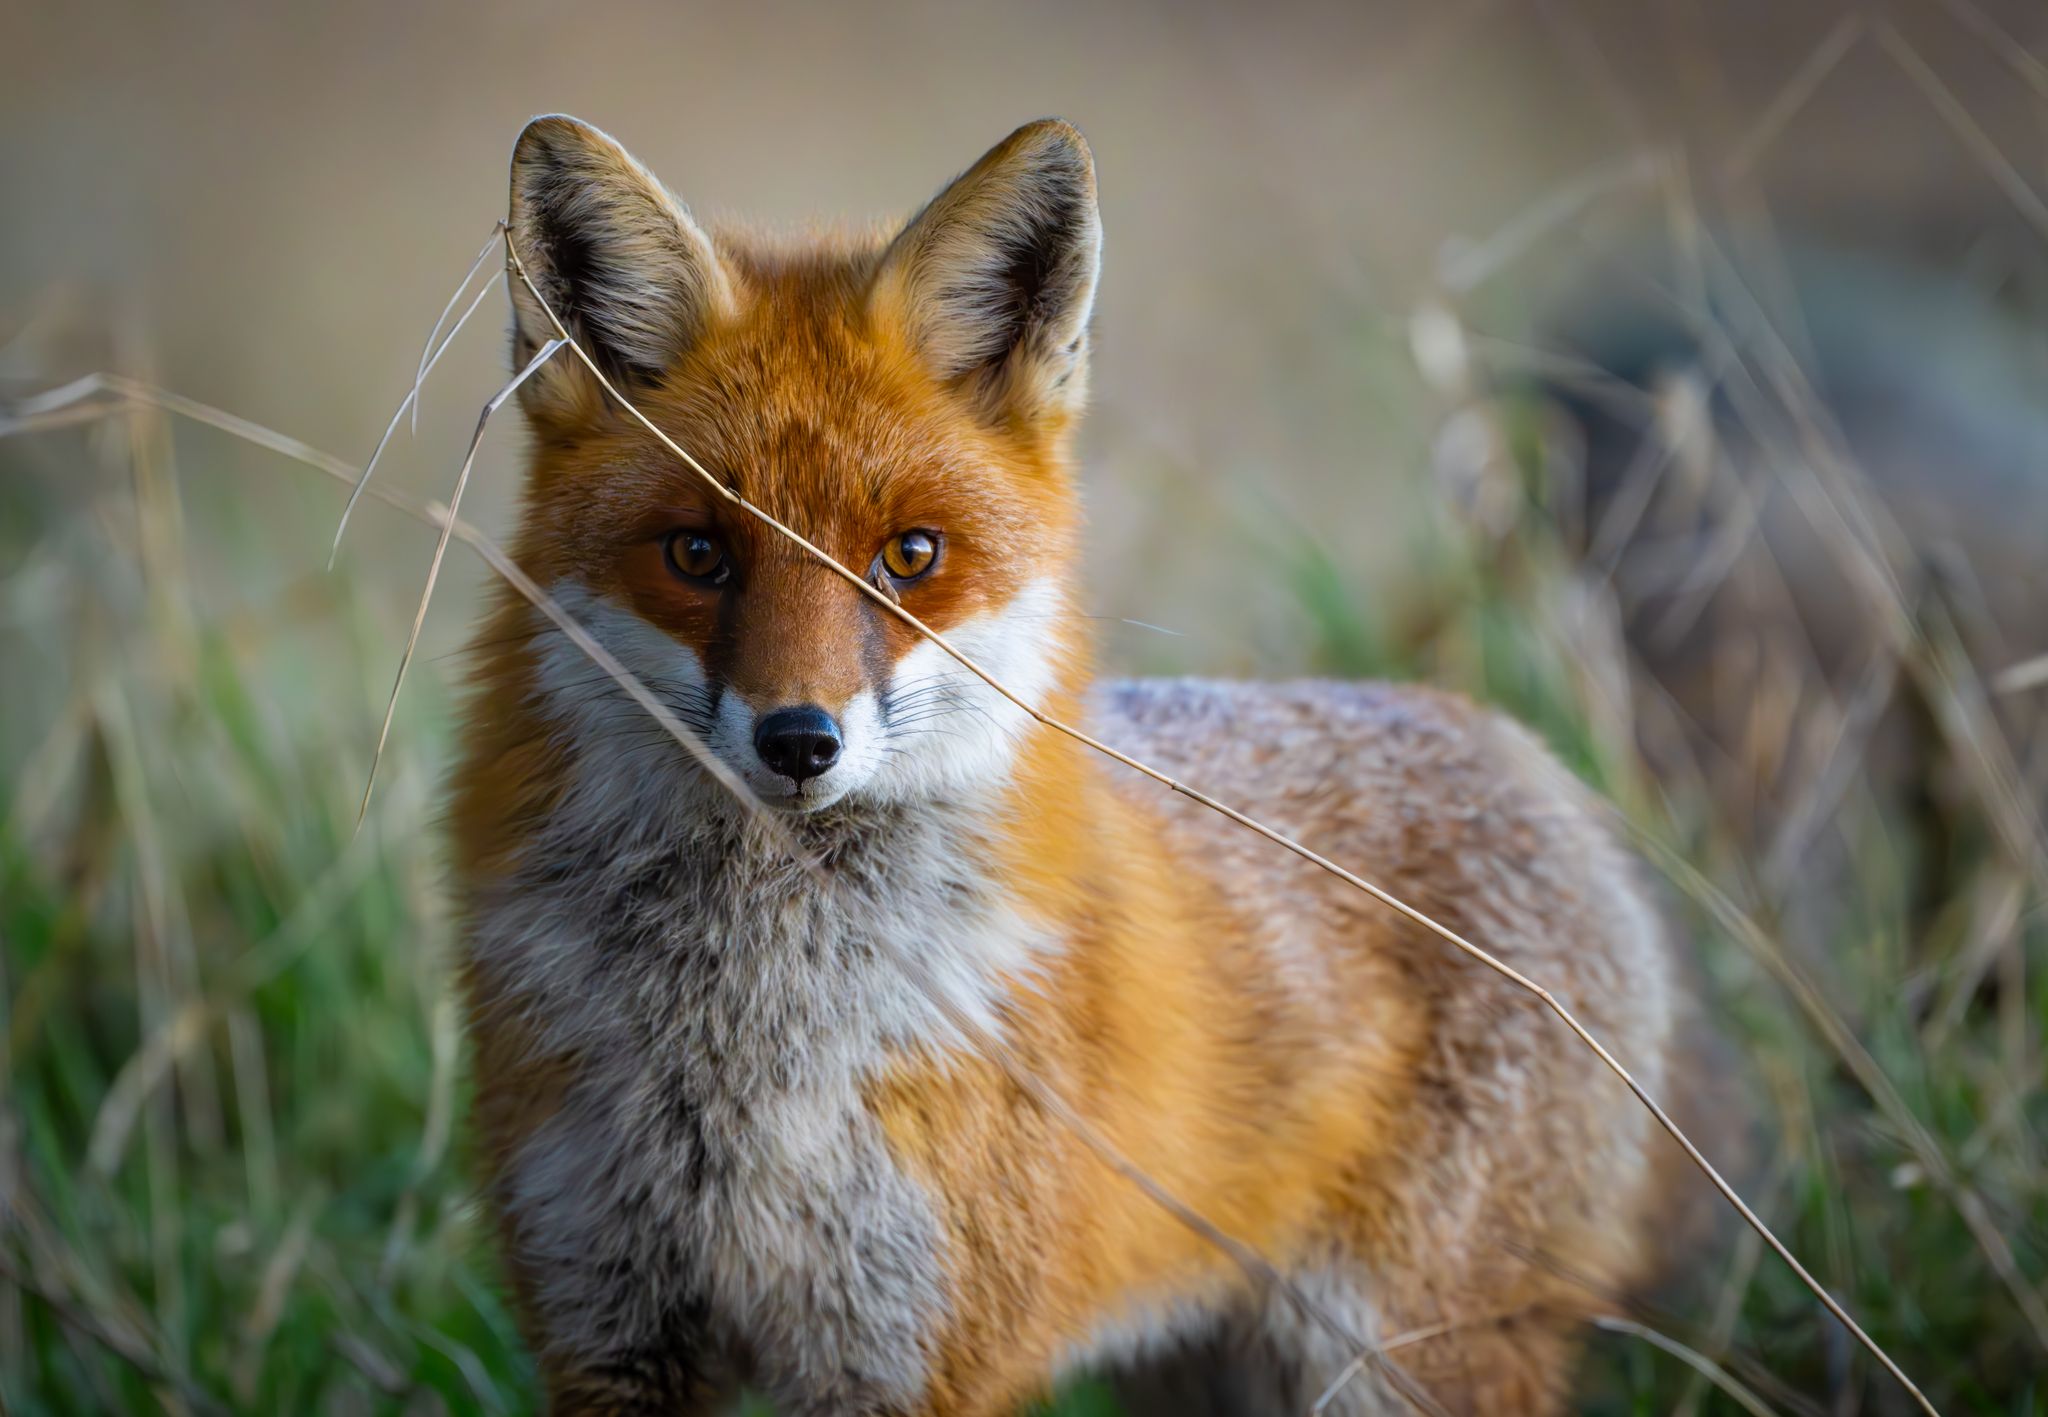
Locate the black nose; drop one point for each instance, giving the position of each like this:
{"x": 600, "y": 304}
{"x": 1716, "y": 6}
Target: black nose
{"x": 798, "y": 742}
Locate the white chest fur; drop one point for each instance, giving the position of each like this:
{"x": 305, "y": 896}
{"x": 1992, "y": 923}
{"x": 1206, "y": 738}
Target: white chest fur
{"x": 712, "y": 1179}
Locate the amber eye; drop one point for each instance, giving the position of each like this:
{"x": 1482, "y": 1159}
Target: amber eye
{"x": 696, "y": 557}
{"x": 910, "y": 554}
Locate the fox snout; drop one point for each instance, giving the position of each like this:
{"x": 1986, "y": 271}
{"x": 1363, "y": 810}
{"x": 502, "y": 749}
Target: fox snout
{"x": 796, "y": 752}
{"x": 799, "y": 743}
{"x": 916, "y": 728}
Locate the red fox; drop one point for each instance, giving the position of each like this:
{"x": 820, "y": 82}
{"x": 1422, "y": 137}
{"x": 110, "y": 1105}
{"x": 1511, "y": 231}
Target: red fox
{"x": 727, "y": 1143}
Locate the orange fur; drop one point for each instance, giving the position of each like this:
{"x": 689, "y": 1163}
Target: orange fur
{"x": 1316, "y": 1078}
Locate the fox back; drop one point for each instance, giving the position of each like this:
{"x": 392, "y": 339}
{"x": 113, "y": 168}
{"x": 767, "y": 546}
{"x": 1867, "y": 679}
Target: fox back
{"x": 732, "y": 1129}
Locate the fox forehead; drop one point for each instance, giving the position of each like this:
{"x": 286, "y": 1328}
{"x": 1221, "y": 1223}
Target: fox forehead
{"x": 809, "y": 403}
{"x": 817, "y": 411}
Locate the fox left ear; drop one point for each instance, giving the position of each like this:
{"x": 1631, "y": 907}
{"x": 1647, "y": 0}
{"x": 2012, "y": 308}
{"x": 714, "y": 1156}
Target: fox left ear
{"x": 995, "y": 279}
{"x": 616, "y": 258}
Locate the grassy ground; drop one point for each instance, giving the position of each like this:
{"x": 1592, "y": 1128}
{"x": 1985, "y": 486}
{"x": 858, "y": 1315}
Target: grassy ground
{"x": 232, "y": 1136}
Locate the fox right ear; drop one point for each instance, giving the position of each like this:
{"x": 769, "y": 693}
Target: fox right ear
{"x": 995, "y": 279}
{"x": 616, "y": 258}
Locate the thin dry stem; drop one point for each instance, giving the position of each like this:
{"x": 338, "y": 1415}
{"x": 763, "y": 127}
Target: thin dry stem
{"x": 1386, "y": 898}
{"x": 1699, "y": 1362}
{"x": 1727, "y": 1310}
{"x": 1995, "y": 163}
{"x": 271, "y": 1293}
{"x": 1255, "y": 1265}
{"x": 419, "y": 619}
{"x": 428, "y": 359}
{"x": 449, "y": 524}
{"x": 1467, "y": 265}
{"x": 483, "y": 253}
{"x": 1865, "y": 542}
{"x": 2002, "y": 42}
{"x": 1798, "y": 91}
{"x": 2018, "y": 678}
{"x": 127, "y": 1347}
{"x": 1868, "y": 1074}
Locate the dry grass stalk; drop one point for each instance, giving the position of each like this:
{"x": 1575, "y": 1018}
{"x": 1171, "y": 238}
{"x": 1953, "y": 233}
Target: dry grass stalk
{"x": 147, "y": 1067}
{"x": 428, "y": 359}
{"x": 1869, "y": 547}
{"x": 2001, "y": 41}
{"x": 179, "y": 1393}
{"x": 1934, "y": 1162}
{"x": 1806, "y": 80}
{"x": 169, "y": 1041}
{"x": 1855, "y": 722}
{"x": 412, "y": 640}
{"x": 1727, "y": 1311}
{"x": 1443, "y": 932}
{"x": 2027, "y": 674}
{"x": 1953, "y": 112}
{"x": 1699, "y": 1362}
{"x": 1772, "y": 398}
{"x": 450, "y": 525}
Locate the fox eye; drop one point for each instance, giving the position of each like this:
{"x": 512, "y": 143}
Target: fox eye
{"x": 696, "y": 557}
{"x": 909, "y": 554}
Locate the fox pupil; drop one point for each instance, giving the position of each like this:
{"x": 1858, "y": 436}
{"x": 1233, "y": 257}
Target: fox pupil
{"x": 910, "y": 555}
{"x": 696, "y": 557}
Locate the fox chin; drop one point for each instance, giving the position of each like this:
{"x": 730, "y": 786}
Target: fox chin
{"x": 727, "y": 1142}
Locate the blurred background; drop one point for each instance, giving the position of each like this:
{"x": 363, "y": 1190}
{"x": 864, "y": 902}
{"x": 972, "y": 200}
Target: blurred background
{"x": 1670, "y": 372}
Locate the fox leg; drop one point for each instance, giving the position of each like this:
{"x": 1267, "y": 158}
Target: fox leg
{"x": 609, "y": 1356}
{"x": 1488, "y": 1367}
{"x": 644, "y": 1382}
{"x": 1519, "y": 1367}
{"x": 1295, "y": 1356}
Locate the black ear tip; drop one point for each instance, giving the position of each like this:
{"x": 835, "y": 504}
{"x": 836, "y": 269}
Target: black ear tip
{"x": 1054, "y": 145}
{"x": 1051, "y": 134}
{"x": 1053, "y": 128}
{"x": 544, "y": 129}
{"x": 553, "y": 136}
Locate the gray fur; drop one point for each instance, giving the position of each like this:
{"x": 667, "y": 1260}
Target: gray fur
{"x": 712, "y": 1179}
{"x": 712, "y": 1189}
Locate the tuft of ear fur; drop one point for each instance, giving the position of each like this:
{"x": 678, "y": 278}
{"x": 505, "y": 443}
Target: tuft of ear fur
{"x": 616, "y": 257}
{"x": 994, "y": 280}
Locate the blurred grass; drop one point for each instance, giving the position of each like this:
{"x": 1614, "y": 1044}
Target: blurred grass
{"x": 232, "y": 1133}
{"x": 277, "y": 1216}
{"x": 1511, "y": 620}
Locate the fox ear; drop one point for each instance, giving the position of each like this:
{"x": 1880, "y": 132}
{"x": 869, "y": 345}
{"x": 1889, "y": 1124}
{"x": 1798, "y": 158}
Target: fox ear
{"x": 994, "y": 280}
{"x": 615, "y": 256}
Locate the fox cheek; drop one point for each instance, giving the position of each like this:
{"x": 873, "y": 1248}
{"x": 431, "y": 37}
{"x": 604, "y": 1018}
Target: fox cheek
{"x": 948, "y": 730}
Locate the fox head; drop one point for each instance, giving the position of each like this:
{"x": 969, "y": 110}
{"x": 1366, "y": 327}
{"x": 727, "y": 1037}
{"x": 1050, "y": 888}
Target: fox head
{"x": 904, "y": 400}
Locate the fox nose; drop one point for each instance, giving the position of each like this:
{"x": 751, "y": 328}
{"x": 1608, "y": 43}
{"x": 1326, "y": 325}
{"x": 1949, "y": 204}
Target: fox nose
{"x": 799, "y": 743}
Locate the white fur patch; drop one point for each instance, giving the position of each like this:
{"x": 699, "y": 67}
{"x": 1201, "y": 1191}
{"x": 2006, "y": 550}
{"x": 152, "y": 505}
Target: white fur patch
{"x": 648, "y": 654}
{"x": 724, "y": 1009}
{"x": 634, "y": 776}
{"x": 732, "y": 738}
{"x": 936, "y": 732}
{"x": 952, "y": 733}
